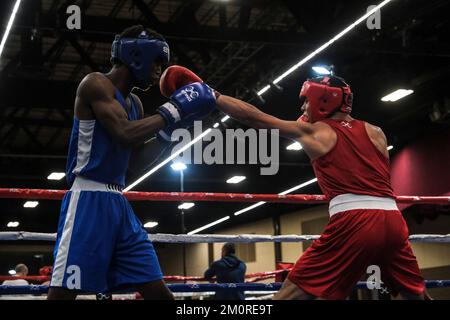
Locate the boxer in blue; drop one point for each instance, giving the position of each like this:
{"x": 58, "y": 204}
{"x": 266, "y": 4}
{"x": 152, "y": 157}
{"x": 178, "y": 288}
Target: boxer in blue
{"x": 101, "y": 245}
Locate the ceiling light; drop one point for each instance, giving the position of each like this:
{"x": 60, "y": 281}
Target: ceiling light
{"x": 186, "y": 205}
{"x": 9, "y": 25}
{"x": 253, "y": 206}
{"x": 236, "y": 179}
{"x": 209, "y": 225}
{"x": 12, "y": 272}
{"x": 397, "y": 95}
{"x": 294, "y": 146}
{"x": 13, "y": 224}
{"x": 390, "y": 147}
{"x": 150, "y": 224}
{"x": 178, "y": 166}
{"x": 31, "y": 204}
{"x": 56, "y": 176}
{"x": 321, "y": 70}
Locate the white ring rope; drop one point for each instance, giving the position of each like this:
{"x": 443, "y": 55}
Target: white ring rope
{"x": 211, "y": 238}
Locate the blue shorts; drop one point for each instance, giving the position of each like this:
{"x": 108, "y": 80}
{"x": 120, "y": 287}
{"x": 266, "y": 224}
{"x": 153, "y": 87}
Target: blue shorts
{"x": 101, "y": 245}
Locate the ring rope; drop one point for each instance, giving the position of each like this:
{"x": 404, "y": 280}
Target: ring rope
{"x": 41, "y": 289}
{"x": 16, "y": 193}
{"x": 212, "y": 238}
{"x": 253, "y": 276}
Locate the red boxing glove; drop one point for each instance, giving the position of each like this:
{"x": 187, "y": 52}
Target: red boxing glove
{"x": 45, "y": 271}
{"x": 175, "y": 77}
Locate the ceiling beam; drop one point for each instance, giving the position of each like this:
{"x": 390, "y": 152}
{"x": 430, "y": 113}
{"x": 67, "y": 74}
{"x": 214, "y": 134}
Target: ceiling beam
{"x": 103, "y": 29}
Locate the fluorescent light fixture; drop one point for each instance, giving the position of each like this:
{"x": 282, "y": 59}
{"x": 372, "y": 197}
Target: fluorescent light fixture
{"x": 321, "y": 70}
{"x": 56, "y": 176}
{"x": 397, "y": 95}
{"x": 150, "y": 224}
{"x": 225, "y": 118}
{"x": 260, "y": 92}
{"x": 12, "y": 272}
{"x": 186, "y": 205}
{"x": 390, "y": 147}
{"x": 209, "y": 225}
{"x": 31, "y": 204}
{"x": 170, "y": 158}
{"x": 294, "y": 146}
{"x": 326, "y": 45}
{"x": 9, "y": 26}
{"x": 178, "y": 166}
{"x": 253, "y": 206}
{"x": 236, "y": 179}
{"x": 301, "y": 185}
{"x": 216, "y": 125}
{"x": 13, "y": 224}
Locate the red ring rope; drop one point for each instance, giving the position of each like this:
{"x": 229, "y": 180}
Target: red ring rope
{"x": 14, "y": 193}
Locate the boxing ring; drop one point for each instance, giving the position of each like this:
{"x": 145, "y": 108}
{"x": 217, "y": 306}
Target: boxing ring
{"x": 257, "y": 291}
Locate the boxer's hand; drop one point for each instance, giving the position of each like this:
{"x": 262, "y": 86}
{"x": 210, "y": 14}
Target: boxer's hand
{"x": 175, "y": 77}
{"x": 165, "y": 135}
{"x": 195, "y": 101}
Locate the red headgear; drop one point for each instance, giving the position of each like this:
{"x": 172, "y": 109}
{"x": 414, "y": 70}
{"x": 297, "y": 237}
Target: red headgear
{"x": 326, "y": 95}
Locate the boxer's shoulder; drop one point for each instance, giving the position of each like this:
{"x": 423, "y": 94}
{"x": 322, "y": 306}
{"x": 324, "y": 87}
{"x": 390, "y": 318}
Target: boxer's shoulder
{"x": 95, "y": 85}
{"x": 374, "y": 131}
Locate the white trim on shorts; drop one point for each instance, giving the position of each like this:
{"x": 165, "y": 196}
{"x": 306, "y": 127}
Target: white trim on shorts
{"x": 59, "y": 268}
{"x": 349, "y": 201}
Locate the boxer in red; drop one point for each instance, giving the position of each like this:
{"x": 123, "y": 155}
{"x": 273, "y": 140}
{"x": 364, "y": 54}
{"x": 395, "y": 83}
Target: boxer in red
{"x": 351, "y": 162}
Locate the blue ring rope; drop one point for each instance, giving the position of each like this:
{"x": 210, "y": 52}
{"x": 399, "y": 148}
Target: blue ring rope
{"x": 204, "y": 287}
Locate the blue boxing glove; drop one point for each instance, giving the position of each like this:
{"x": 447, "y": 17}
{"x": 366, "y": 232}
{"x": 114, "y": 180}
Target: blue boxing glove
{"x": 195, "y": 101}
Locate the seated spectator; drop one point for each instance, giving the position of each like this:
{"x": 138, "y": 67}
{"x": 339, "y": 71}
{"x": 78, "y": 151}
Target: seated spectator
{"x": 229, "y": 269}
{"x": 21, "y": 271}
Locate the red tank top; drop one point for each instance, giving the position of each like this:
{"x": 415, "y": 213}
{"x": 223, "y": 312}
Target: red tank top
{"x": 354, "y": 165}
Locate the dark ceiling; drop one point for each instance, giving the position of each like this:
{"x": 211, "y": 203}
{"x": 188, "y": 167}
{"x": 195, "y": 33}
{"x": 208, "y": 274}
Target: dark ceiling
{"x": 236, "y": 46}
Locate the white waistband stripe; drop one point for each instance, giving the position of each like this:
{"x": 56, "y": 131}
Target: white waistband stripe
{"x": 83, "y": 184}
{"x": 348, "y": 201}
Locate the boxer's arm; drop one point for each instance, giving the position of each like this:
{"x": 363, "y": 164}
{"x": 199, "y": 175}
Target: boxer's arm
{"x": 378, "y": 138}
{"x": 145, "y": 155}
{"x": 139, "y": 104}
{"x": 253, "y": 117}
{"x": 113, "y": 117}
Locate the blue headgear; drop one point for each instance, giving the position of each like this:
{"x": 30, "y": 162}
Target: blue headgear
{"x": 138, "y": 54}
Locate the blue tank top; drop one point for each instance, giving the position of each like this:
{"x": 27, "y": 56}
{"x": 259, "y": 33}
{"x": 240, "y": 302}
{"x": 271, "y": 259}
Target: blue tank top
{"x": 94, "y": 154}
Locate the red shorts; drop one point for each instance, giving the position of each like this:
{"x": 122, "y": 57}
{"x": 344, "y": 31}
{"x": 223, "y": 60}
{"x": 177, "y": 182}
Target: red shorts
{"x": 352, "y": 241}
